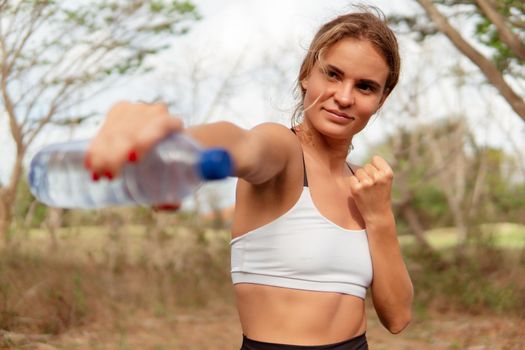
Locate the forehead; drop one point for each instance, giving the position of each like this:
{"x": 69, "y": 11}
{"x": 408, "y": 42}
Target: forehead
{"x": 357, "y": 58}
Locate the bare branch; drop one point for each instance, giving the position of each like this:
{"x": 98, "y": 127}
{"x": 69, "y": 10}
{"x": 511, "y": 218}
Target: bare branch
{"x": 11, "y": 27}
{"x": 493, "y": 75}
{"x": 18, "y": 46}
{"x": 61, "y": 95}
{"x": 68, "y": 61}
{"x": 10, "y": 110}
{"x": 507, "y": 36}
{"x": 223, "y": 89}
{"x": 518, "y": 24}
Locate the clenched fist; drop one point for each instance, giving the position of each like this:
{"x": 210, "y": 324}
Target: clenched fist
{"x": 371, "y": 189}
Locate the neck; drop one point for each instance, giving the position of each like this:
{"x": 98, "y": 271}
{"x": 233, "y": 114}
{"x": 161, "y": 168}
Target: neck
{"x": 328, "y": 151}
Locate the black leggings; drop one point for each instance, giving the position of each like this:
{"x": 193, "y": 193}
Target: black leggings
{"x": 357, "y": 343}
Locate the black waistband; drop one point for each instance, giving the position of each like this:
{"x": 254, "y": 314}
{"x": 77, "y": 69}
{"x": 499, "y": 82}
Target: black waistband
{"x": 356, "y": 343}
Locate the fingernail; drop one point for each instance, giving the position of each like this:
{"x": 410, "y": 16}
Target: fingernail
{"x": 108, "y": 174}
{"x": 167, "y": 207}
{"x": 133, "y": 156}
{"x": 95, "y": 176}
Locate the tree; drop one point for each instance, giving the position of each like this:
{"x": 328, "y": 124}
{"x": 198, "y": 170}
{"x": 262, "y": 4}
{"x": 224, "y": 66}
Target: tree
{"x": 444, "y": 167}
{"x": 499, "y": 30}
{"x": 56, "y": 55}
{"x": 445, "y": 177}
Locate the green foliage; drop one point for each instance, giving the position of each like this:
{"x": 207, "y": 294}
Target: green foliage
{"x": 485, "y": 32}
{"x": 431, "y": 204}
{"x": 25, "y": 206}
{"x": 509, "y": 202}
{"x": 485, "y": 279}
{"x": 499, "y": 196}
{"x": 57, "y": 55}
{"x": 53, "y": 51}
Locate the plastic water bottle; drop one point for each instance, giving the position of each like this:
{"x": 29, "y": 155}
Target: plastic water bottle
{"x": 173, "y": 169}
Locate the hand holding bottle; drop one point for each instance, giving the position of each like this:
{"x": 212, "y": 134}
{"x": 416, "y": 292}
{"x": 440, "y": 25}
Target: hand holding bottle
{"x": 129, "y": 131}
{"x": 157, "y": 166}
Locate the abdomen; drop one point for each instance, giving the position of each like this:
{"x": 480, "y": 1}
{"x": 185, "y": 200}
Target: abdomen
{"x": 290, "y": 316}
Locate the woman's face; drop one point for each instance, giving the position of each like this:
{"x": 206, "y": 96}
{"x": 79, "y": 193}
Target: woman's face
{"x": 345, "y": 88}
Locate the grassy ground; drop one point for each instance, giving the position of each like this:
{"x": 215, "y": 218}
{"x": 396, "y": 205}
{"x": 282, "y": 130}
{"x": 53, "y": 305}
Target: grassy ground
{"x": 217, "y": 327}
{"x": 504, "y": 235}
{"x": 167, "y": 287}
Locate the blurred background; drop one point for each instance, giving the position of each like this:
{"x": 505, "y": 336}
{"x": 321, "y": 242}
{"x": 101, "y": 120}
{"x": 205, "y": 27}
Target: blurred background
{"x": 130, "y": 278}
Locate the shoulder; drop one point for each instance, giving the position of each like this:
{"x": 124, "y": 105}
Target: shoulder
{"x": 277, "y": 135}
{"x": 274, "y": 129}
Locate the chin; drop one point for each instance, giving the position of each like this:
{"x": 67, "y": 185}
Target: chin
{"x": 336, "y": 131}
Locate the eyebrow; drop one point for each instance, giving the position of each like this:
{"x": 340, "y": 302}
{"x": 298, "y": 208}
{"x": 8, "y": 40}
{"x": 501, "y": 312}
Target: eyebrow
{"x": 339, "y": 71}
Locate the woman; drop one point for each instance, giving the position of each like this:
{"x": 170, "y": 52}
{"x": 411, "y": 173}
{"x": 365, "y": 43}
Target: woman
{"x": 311, "y": 233}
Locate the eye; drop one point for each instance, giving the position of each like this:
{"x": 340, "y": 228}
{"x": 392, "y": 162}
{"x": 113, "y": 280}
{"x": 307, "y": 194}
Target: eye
{"x": 331, "y": 74}
{"x": 367, "y": 87}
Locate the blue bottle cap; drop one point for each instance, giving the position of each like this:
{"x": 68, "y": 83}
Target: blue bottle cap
{"x": 215, "y": 164}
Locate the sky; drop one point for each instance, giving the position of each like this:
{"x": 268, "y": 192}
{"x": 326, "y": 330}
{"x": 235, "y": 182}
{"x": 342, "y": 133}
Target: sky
{"x": 260, "y": 35}
{"x": 228, "y": 29}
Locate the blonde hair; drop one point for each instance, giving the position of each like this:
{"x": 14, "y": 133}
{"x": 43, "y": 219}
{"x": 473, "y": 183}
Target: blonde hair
{"x": 370, "y": 25}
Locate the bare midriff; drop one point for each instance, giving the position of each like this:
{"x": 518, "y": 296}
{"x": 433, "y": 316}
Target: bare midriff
{"x": 299, "y": 317}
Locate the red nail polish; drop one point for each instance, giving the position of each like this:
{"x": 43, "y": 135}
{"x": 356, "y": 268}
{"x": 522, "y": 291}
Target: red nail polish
{"x": 95, "y": 176}
{"x": 133, "y": 156}
{"x": 167, "y": 206}
{"x": 108, "y": 174}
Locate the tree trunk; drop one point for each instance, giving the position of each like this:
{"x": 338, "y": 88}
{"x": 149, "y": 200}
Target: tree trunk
{"x": 506, "y": 34}
{"x": 28, "y": 219}
{"x": 53, "y": 223}
{"x": 415, "y": 225}
{"x": 448, "y": 154}
{"x": 491, "y": 72}
{"x": 6, "y": 215}
{"x": 8, "y": 197}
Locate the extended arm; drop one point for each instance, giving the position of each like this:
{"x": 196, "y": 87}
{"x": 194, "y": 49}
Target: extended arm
{"x": 259, "y": 154}
{"x": 131, "y": 129}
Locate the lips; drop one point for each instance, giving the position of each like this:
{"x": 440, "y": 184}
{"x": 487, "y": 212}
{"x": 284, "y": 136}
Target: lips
{"x": 338, "y": 113}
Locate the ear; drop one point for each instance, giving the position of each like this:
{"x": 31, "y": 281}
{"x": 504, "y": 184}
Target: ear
{"x": 304, "y": 83}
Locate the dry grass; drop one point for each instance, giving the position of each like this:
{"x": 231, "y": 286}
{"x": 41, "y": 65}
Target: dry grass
{"x": 95, "y": 275}
{"x": 122, "y": 286}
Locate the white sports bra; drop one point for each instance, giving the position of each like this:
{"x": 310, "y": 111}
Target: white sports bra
{"x": 303, "y": 250}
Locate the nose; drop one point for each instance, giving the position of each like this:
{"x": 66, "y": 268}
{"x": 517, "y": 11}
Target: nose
{"x": 344, "y": 95}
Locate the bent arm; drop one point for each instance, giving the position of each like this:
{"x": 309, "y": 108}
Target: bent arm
{"x": 392, "y": 290}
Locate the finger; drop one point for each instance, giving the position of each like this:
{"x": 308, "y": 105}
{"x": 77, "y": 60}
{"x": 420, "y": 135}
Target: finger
{"x": 106, "y": 148}
{"x": 382, "y": 166}
{"x": 154, "y": 132}
{"x": 355, "y": 185}
{"x": 116, "y": 156}
{"x": 371, "y": 171}
{"x": 106, "y": 157}
{"x": 363, "y": 177}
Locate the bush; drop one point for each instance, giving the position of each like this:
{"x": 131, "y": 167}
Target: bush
{"x": 157, "y": 273}
{"x": 481, "y": 279}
